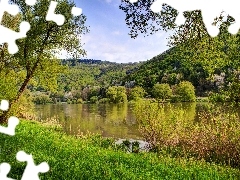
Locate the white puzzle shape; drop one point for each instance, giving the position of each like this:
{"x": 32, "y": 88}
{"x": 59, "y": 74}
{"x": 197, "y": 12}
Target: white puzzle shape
{"x": 210, "y": 10}
{"x": 76, "y": 11}
{"x": 30, "y": 2}
{"x": 4, "y": 170}
{"x": 9, "y": 36}
{"x": 10, "y": 129}
{"x": 4, "y": 105}
{"x": 31, "y": 171}
{"x": 51, "y": 16}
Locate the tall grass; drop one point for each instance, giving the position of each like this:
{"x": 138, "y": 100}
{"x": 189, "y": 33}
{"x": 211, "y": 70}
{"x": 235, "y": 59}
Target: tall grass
{"x": 92, "y": 157}
{"x": 214, "y": 138}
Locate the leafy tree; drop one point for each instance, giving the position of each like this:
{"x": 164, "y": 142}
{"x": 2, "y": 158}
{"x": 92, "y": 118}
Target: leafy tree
{"x": 116, "y": 94}
{"x": 234, "y": 90}
{"x": 93, "y": 99}
{"x": 36, "y": 55}
{"x": 162, "y": 91}
{"x": 192, "y": 39}
{"x": 136, "y": 92}
{"x": 185, "y": 92}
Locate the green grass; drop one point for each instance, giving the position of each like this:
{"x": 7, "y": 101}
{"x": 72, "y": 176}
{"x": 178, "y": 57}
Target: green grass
{"x": 75, "y": 158}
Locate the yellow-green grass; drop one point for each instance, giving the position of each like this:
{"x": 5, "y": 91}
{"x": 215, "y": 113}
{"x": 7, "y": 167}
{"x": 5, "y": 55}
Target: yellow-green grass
{"x": 84, "y": 158}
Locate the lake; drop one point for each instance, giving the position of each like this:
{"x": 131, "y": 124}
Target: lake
{"x": 109, "y": 120}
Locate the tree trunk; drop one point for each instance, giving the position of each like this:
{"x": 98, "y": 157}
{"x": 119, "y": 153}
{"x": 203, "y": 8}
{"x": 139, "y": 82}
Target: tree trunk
{"x": 4, "y": 117}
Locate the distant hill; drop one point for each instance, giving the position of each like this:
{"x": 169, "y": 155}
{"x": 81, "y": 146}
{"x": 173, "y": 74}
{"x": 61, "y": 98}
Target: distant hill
{"x": 171, "y": 66}
{"x": 74, "y": 62}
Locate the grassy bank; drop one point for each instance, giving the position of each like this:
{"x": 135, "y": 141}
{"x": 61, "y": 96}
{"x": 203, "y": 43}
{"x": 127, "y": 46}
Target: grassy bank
{"x": 86, "y": 158}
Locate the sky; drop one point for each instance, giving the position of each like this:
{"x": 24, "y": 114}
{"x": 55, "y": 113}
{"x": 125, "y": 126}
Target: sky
{"x": 108, "y": 38}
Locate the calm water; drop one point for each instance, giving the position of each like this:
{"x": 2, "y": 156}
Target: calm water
{"x": 107, "y": 119}
{"x": 110, "y": 120}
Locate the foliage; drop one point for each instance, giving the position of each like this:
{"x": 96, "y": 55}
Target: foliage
{"x": 116, "y": 94}
{"x": 136, "y": 93}
{"x": 96, "y": 159}
{"x": 185, "y": 92}
{"x": 103, "y": 100}
{"x": 162, "y": 91}
{"x": 37, "y": 51}
{"x": 42, "y": 99}
{"x": 234, "y": 91}
{"x": 94, "y": 99}
{"x": 218, "y": 97}
{"x": 178, "y": 136}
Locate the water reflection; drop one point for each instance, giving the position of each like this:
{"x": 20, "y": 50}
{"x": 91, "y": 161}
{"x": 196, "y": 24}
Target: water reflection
{"x": 110, "y": 120}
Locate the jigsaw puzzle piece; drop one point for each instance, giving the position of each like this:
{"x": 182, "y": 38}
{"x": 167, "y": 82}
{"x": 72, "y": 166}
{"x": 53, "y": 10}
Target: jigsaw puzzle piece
{"x": 12, "y": 123}
{"x": 11, "y": 36}
{"x": 4, "y": 170}
{"x": 10, "y": 8}
{"x": 233, "y": 10}
{"x": 31, "y": 171}
{"x": 4, "y": 105}
{"x": 51, "y": 16}
{"x": 30, "y": 2}
{"x": 76, "y": 11}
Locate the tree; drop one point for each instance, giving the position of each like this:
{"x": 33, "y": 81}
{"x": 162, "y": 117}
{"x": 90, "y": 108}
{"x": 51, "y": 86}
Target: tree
{"x": 185, "y": 92}
{"x": 141, "y": 19}
{"x": 136, "y": 92}
{"x": 191, "y": 38}
{"x": 36, "y": 55}
{"x": 162, "y": 91}
{"x": 116, "y": 94}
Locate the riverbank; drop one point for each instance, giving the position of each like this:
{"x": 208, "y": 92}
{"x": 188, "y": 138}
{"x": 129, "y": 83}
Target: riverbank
{"x": 91, "y": 157}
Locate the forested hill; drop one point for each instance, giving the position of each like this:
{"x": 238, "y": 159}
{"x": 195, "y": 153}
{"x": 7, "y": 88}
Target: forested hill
{"x": 85, "y": 72}
{"x": 171, "y": 66}
{"x": 74, "y": 62}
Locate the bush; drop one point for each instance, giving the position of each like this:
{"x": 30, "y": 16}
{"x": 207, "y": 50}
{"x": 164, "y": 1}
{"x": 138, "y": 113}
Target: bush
{"x": 214, "y": 138}
{"x": 185, "y": 92}
{"x": 217, "y": 97}
{"x": 42, "y": 99}
{"x": 117, "y": 94}
{"x": 234, "y": 91}
{"x": 162, "y": 91}
{"x": 93, "y": 99}
{"x": 136, "y": 93}
{"x": 103, "y": 100}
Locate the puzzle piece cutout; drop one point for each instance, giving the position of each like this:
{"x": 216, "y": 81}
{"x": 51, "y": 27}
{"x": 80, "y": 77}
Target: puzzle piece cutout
{"x": 31, "y": 171}
{"x": 9, "y": 36}
{"x": 10, "y": 129}
{"x": 4, "y": 105}
{"x": 133, "y": 1}
{"x": 51, "y": 16}
{"x": 4, "y": 170}
{"x": 210, "y": 10}
{"x": 30, "y": 2}
{"x": 76, "y": 11}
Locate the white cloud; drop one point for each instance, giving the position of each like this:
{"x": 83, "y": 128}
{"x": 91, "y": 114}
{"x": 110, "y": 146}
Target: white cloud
{"x": 132, "y": 50}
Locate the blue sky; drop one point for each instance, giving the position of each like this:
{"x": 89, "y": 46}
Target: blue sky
{"x": 108, "y": 38}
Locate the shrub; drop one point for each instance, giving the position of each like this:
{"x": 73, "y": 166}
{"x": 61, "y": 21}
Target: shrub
{"x": 162, "y": 91}
{"x": 42, "y": 99}
{"x": 136, "y": 93}
{"x": 214, "y": 138}
{"x": 116, "y": 94}
{"x": 234, "y": 91}
{"x": 185, "y": 92}
{"x": 217, "y": 97}
{"x": 93, "y": 99}
{"x": 103, "y": 100}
